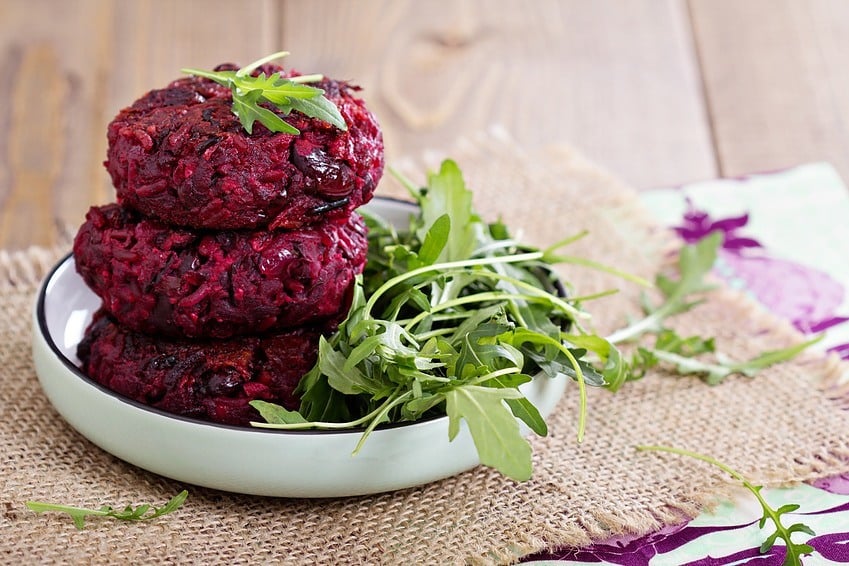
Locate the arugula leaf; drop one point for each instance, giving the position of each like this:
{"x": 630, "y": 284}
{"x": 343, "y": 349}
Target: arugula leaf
{"x": 451, "y": 316}
{"x": 447, "y": 195}
{"x": 248, "y": 111}
{"x": 680, "y": 353}
{"x": 273, "y": 413}
{"x": 751, "y": 367}
{"x": 694, "y": 264}
{"x": 795, "y": 551}
{"x": 494, "y": 429}
{"x": 435, "y": 240}
{"x": 319, "y": 401}
{"x": 319, "y": 107}
{"x": 286, "y": 94}
{"x": 129, "y": 513}
{"x": 341, "y": 376}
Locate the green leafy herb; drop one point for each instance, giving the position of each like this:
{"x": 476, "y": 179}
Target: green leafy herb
{"x": 694, "y": 264}
{"x": 284, "y": 94}
{"x": 452, "y": 316}
{"x": 140, "y": 513}
{"x": 494, "y": 428}
{"x": 680, "y": 353}
{"x": 793, "y": 556}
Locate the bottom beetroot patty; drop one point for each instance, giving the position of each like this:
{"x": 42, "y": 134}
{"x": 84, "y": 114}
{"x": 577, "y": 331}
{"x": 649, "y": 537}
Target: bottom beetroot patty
{"x": 212, "y": 381}
{"x": 162, "y": 280}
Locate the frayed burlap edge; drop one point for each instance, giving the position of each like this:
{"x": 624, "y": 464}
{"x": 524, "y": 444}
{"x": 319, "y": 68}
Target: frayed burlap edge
{"x": 28, "y": 267}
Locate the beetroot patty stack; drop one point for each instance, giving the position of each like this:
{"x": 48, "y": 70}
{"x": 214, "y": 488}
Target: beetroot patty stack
{"x": 228, "y": 253}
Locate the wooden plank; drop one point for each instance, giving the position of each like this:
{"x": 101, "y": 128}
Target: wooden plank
{"x": 70, "y": 66}
{"x": 615, "y": 79}
{"x": 154, "y": 39}
{"x": 775, "y": 80}
{"x": 46, "y": 133}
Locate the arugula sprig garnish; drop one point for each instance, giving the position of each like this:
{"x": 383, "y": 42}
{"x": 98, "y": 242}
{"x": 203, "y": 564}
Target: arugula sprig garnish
{"x": 285, "y": 94}
{"x": 680, "y": 353}
{"x": 794, "y": 551}
{"x": 129, "y": 513}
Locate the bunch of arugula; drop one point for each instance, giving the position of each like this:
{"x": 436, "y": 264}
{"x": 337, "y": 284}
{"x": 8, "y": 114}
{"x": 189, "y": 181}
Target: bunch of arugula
{"x": 452, "y": 316}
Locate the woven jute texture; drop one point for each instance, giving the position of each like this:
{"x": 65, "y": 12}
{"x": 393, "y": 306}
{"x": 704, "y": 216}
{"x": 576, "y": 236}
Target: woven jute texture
{"x": 785, "y": 425}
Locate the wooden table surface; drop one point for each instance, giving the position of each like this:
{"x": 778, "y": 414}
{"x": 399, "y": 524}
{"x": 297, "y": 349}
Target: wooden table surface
{"x": 657, "y": 91}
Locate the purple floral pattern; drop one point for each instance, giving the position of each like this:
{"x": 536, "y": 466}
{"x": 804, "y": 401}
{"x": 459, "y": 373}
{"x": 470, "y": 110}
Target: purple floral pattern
{"x": 807, "y": 297}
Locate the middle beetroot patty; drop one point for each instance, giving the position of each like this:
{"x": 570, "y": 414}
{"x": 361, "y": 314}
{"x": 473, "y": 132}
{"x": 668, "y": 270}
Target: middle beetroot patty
{"x": 168, "y": 281}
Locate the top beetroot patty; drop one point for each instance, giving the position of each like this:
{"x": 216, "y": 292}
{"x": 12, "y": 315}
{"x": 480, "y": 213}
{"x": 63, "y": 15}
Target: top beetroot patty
{"x": 179, "y": 154}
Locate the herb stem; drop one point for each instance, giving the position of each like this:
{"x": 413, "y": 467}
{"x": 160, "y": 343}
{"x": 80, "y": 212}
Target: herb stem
{"x": 306, "y": 78}
{"x": 782, "y": 531}
{"x": 494, "y": 246}
{"x": 41, "y": 507}
{"x": 325, "y": 425}
{"x": 424, "y": 336}
{"x": 704, "y": 458}
{"x": 381, "y": 414}
{"x": 251, "y": 67}
{"x": 494, "y": 374}
{"x": 579, "y": 377}
{"x": 594, "y": 296}
{"x": 646, "y": 324}
{"x": 478, "y": 298}
{"x": 405, "y": 181}
{"x": 582, "y": 392}
{"x": 601, "y": 267}
{"x": 448, "y": 266}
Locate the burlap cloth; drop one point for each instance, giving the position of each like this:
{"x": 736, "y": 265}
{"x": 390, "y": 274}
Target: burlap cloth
{"x": 785, "y": 425}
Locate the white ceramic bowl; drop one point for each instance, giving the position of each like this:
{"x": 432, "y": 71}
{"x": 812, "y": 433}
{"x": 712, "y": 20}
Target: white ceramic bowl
{"x": 243, "y": 460}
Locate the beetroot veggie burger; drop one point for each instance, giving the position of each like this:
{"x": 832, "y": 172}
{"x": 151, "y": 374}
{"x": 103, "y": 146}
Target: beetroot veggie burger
{"x": 233, "y": 245}
{"x": 180, "y": 154}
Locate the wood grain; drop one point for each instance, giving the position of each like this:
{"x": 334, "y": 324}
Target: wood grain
{"x": 776, "y": 83}
{"x": 657, "y": 91}
{"x": 70, "y": 66}
{"x": 617, "y": 80}
{"x": 48, "y": 119}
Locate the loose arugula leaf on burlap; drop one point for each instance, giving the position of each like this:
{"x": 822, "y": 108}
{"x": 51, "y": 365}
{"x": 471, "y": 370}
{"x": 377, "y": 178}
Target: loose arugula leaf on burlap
{"x": 285, "y": 94}
{"x": 129, "y": 513}
{"x": 694, "y": 264}
{"x": 680, "y": 353}
{"x": 794, "y": 550}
